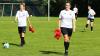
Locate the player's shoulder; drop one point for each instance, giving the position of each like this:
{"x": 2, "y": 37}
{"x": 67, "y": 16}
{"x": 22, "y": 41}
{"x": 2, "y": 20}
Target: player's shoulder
{"x": 91, "y": 10}
{"x": 71, "y": 11}
{"x": 62, "y": 10}
{"x": 26, "y": 11}
{"x": 18, "y": 11}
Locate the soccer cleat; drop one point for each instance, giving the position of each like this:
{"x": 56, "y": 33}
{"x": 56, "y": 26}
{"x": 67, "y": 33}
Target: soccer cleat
{"x": 91, "y": 31}
{"x": 66, "y": 53}
{"x": 22, "y": 43}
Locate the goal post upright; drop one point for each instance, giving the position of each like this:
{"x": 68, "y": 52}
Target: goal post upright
{"x": 3, "y": 10}
{"x": 48, "y": 10}
{"x": 11, "y": 10}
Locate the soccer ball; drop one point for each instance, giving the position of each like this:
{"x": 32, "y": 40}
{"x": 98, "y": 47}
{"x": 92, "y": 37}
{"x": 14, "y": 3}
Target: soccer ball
{"x": 6, "y": 45}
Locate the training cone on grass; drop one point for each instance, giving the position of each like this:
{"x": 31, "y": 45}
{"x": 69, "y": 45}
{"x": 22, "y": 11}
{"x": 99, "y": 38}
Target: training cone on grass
{"x": 31, "y": 29}
{"x": 57, "y": 34}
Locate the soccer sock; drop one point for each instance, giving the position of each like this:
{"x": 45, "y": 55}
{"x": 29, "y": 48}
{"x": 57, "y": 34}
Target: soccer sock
{"x": 86, "y": 25}
{"x": 22, "y": 40}
{"x": 91, "y": 28}
{"x": 66, "y": 45}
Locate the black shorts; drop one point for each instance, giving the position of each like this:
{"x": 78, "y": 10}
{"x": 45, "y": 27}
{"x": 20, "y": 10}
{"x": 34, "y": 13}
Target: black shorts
{"x": 91, "y": 20}
{"x": 67, "y": 31}
{"x": 22, "y": 29}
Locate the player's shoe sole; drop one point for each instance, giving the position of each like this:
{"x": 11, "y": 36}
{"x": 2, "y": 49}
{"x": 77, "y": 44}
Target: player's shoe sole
{"x": 91, "y": 31}
{"x": 66, "y": 54}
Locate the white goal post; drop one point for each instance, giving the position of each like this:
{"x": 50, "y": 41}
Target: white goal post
{"x": 11, "y": 11}
{"x": 48, "y": 10}
{"x": 8, "y": 4}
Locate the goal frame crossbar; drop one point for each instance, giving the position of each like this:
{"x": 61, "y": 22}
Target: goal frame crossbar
{"x": 8, "y": 4}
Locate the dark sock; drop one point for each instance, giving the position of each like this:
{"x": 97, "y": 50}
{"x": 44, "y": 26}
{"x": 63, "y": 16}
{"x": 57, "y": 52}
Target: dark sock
{"x": 86, "y": 25}
{"x": 91, "y": 28}
{"x": 22, "y": 41}
{"x": 66, "y": 45}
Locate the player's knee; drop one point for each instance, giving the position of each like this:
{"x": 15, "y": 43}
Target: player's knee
{"x": 66, "y": 39}
{"x": 23, "y": 34}
{"x": 91, "y": 23}
{"x": 88, "y": 22}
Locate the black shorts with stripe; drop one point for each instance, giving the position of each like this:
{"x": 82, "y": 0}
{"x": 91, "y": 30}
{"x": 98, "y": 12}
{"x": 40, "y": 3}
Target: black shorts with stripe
{"x": 22, "y": 29}
{"x": 67, "y": 31}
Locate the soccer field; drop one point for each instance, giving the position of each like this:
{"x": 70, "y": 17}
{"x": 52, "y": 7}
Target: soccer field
{"x": 43, "y": 43}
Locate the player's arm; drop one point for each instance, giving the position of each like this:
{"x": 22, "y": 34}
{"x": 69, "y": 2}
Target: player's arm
{"x": 28, "y": 20}
{"x": 16, "y": 17}
{"x": 59, "y": 23}
{"x": 94, "y": 12}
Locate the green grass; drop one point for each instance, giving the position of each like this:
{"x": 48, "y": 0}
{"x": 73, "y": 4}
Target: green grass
{"x": 43, "y": 43}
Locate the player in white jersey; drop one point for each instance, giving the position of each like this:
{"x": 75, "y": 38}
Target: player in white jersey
{"x": 90, "y": 19}
{"x": 67, "y": 25}
{"x": 75, "y": 9}
{"x": 22, "y": 17}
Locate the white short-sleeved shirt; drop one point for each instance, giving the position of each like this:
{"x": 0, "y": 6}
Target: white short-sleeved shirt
{"x": 22, "y": 18}
{"x": 91, "y": 14}
{"x": 66, "y": 18}
{"x": 75, "y": 10}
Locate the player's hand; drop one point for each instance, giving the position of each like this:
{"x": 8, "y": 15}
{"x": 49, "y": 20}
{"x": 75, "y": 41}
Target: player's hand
{"x": 59, "y": 28}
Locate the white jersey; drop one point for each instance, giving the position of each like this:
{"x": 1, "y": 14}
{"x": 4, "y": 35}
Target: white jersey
{"x": 66, "y": 18}
{"x": 22, "y": 18}
{"x": 75, "y": 10}
{"x": 91, "y": 14}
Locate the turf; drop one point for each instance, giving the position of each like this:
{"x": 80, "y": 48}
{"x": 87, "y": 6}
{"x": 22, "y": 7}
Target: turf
{"x": 43, "y": 43}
